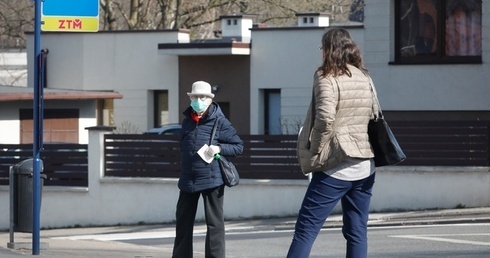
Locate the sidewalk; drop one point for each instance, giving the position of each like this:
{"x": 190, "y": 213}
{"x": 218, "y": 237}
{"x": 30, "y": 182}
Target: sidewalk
{"x": 99, "y": 241}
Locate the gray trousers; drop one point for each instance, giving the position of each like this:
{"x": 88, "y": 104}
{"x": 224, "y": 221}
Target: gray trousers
{"x": 185, "y": 216}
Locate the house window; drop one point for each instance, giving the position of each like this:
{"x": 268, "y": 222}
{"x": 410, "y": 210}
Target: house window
{"x": 438, "y": 31}
{"x": 105, "y": 112}
{"x": 272, "y": 116}
{"x": 160, "y": 108}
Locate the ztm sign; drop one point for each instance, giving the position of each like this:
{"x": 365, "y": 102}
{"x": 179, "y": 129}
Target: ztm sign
{"x": 70, "y": 15}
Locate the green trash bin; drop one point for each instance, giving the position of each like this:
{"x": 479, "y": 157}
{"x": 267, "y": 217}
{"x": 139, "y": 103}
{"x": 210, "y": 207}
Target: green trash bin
{"x": 23, "y": 194}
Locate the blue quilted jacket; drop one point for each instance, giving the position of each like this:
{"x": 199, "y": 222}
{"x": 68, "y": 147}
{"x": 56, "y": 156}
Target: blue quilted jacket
{"x": 197, "y": 175}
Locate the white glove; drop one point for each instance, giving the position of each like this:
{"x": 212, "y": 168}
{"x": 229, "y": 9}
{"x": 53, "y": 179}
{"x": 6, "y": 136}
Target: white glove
{"x": 213, "y": 150}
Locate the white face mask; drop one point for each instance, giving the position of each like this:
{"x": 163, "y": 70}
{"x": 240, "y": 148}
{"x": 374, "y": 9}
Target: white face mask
{"x": 200, "y": 105}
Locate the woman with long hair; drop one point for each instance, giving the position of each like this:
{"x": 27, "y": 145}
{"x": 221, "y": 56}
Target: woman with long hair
{"x": 343, "y": 104}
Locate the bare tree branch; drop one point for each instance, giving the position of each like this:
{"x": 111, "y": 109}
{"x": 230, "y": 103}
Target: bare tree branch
{"x": 109, "y": 15}
{"x": 16, "y": 17}
{"x": 199, "y": 16}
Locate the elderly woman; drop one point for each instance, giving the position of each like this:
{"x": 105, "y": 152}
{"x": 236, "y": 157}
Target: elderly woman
{"x": 200, "y": 176}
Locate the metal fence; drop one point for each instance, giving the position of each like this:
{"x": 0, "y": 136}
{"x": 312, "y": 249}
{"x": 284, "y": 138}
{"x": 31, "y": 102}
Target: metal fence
{"x": 64, "y": 164}
{"x": 444, "y": 143}
{"x": 136, "y": 155}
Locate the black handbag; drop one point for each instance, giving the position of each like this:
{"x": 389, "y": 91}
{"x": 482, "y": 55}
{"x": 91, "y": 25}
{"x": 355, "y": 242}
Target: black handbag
{"x": 228, "y": 169}
{"x": 228, "y": 172}
{"x": 386, "y": 149}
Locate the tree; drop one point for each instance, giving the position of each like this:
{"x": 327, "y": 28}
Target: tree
{"x": 16, "y": 17}
{"x": 199, "y": 16}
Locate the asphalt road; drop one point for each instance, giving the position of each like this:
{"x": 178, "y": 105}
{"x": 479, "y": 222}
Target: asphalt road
{"x": 431, "y": 233}
{"x": 444, "y": 241}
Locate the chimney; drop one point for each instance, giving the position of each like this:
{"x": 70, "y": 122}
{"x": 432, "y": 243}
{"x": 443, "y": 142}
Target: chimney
{"x": 313, "y": 20}
{"x": 236, "y": 28}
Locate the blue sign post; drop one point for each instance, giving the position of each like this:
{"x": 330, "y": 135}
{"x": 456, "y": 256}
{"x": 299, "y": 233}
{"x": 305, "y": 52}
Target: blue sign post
{"x": 52, "y": 15}
{"x": 37, "y": 142}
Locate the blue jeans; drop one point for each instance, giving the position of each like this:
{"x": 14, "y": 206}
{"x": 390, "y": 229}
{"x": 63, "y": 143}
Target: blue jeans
{"x": 320, "y": 199}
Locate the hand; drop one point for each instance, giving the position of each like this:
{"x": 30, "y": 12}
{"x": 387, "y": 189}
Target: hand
{"x": 213, "y": 150}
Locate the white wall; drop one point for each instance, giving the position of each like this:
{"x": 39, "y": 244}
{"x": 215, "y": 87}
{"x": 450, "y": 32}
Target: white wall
{"x": 286, "y": 59}
{"x": 9, "y": 123}
{"x": 126, "y": 62}
{"x": 113, "y": 200}
{"x": 414, "y": 188}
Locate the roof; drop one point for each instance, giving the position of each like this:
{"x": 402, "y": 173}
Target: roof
{"x": 9, "y": 93}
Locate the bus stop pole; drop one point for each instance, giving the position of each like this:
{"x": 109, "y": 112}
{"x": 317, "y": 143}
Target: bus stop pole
{"x": 37, "y": 136}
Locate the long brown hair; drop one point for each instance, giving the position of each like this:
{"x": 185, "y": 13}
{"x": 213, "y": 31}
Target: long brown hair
{"x": 339, "y": 50}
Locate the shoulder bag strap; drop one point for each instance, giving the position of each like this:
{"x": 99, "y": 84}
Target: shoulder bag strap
{"x": 214, "y": 130}
{"x": 379, "y": 113}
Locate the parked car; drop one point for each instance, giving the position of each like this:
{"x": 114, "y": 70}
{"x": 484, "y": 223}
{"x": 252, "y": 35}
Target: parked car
{"x": 167, "y": 129}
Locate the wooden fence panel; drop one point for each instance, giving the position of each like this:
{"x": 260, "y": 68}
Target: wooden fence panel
{"x": 264, "y": 156}
{"x": 64, "y": 164}
{"x": 443, "y": 143}
{"x": 426, "y": 143}
{"x": 140, "y": 155}
{"x": 268, "y": 157}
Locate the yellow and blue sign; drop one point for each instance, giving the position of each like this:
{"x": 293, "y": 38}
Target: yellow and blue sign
{"x": 70, "y": 15}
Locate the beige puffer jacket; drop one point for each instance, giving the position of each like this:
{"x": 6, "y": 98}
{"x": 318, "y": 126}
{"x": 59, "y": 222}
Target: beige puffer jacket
{"x": 342, "y": 117}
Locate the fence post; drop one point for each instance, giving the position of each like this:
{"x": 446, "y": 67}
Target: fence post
{"x": 96, "y": 155}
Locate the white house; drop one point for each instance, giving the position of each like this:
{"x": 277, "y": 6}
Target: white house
{"x": 66, "y": 114}
{"x": 125, "y": 62}
{"x": 153, "y": 70}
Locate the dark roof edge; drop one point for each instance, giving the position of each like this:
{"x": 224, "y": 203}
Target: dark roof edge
{"x": 355, "y": 26}
{"x": 312, "y": 14}
{"x": 204, "y": 44}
